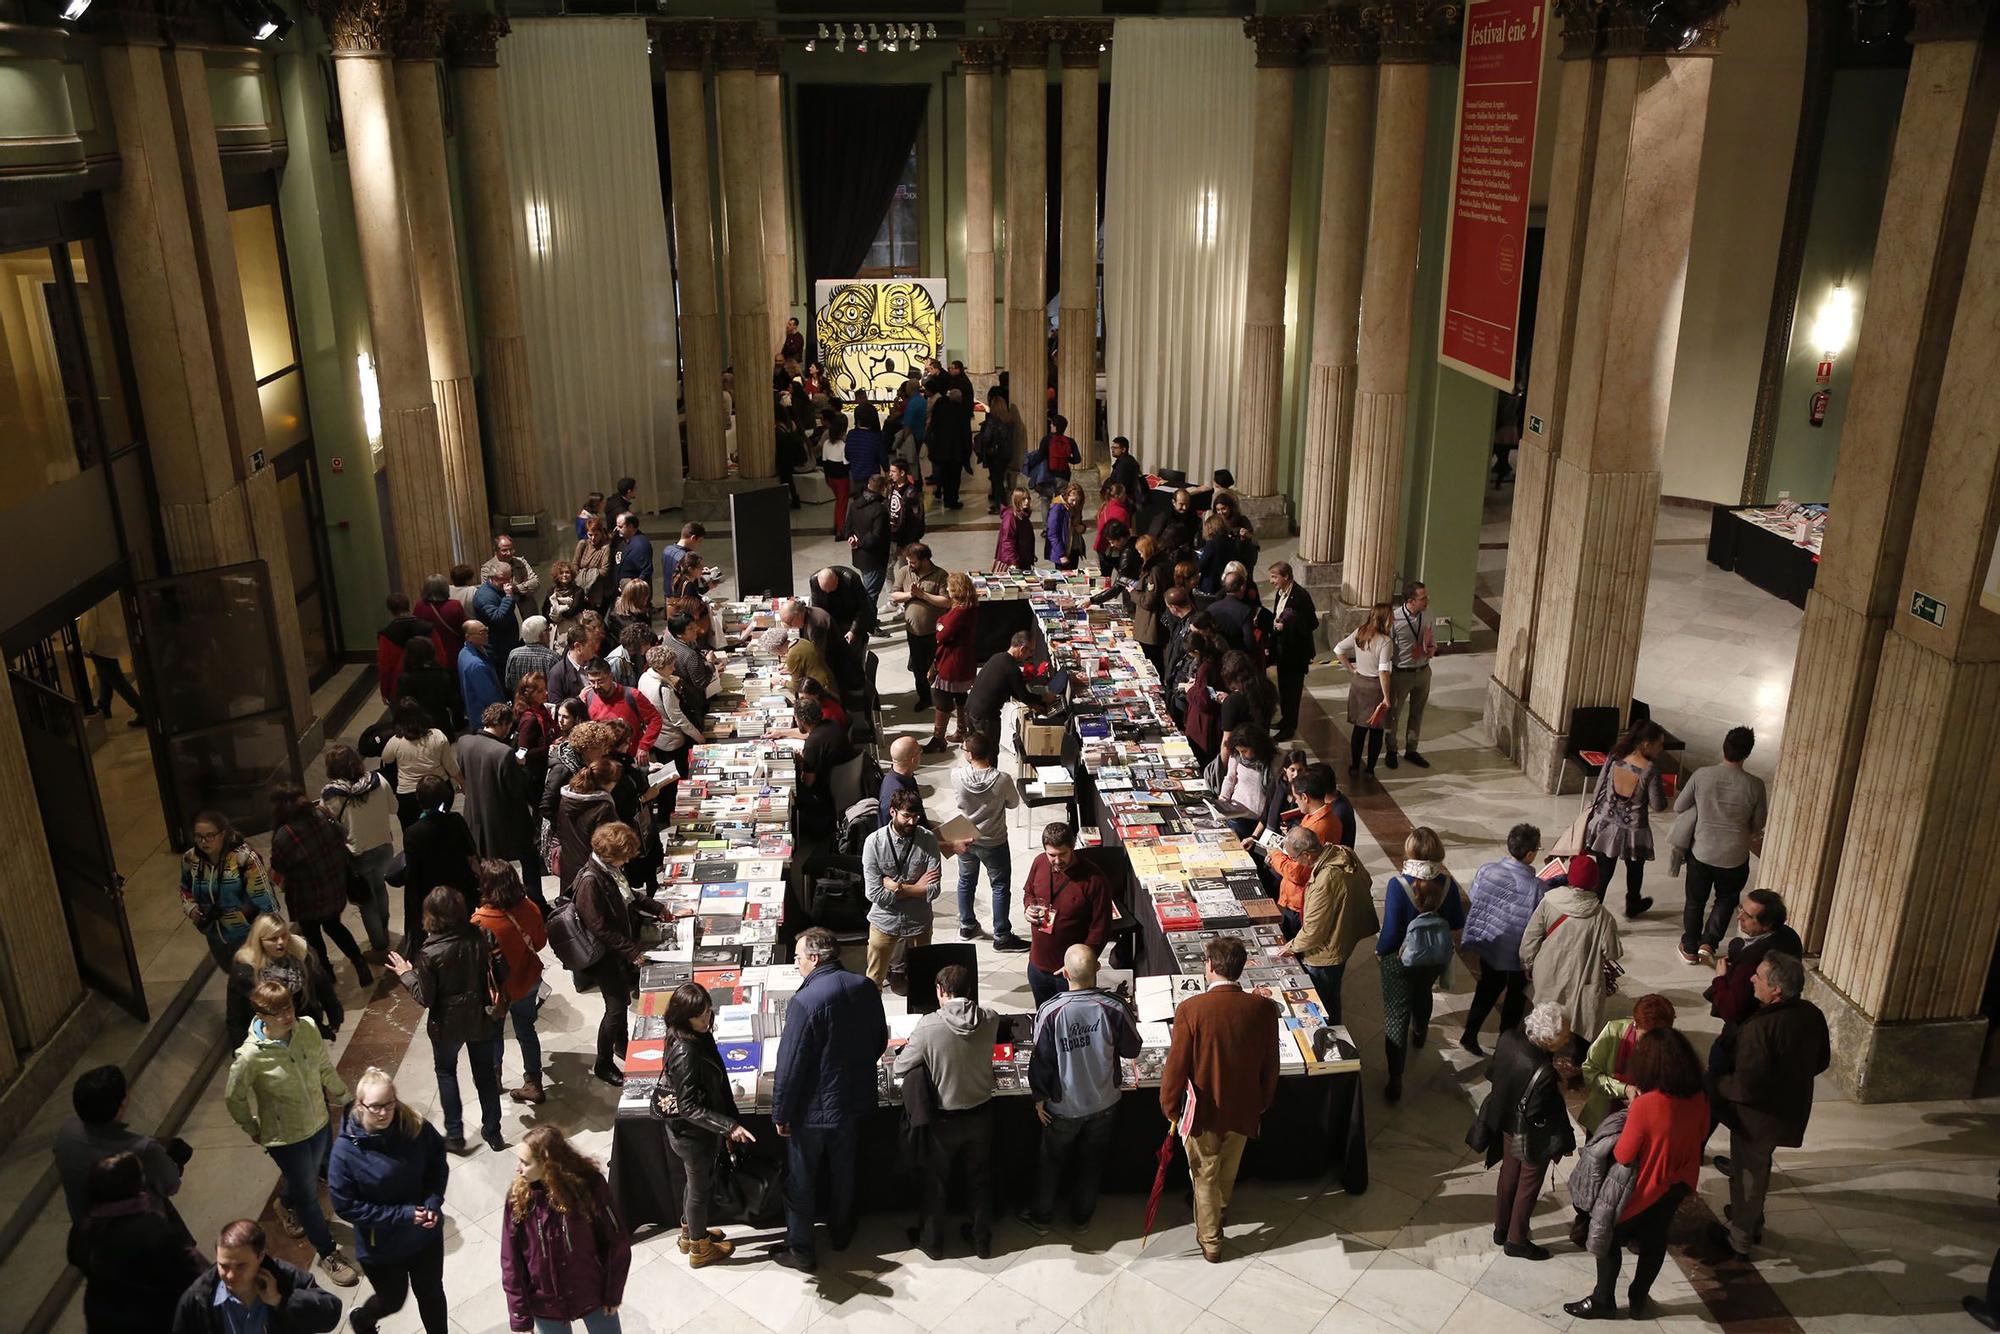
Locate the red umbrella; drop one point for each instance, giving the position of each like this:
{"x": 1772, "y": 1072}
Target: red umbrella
{"x": 1165, "y": 1156}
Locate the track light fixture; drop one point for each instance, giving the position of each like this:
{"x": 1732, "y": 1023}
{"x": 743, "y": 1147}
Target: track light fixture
{"x": 72, "y": 10}
{"x": 812, "y": 43}
{"x": 823, "y": 32}
{"x": 265, "y": 20}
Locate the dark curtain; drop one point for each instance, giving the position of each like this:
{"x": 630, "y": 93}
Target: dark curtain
{"x": 853, "y": 140}
{"x": 1052, "y": 277}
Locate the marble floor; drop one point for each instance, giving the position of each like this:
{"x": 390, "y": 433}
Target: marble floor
{"x": 1880, "y": 1223}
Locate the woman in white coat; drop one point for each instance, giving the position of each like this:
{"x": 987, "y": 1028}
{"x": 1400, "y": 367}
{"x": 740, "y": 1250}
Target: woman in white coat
{"x": 1570, "y": 944}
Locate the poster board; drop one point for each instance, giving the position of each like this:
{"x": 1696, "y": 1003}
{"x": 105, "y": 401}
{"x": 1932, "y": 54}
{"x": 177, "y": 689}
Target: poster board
{"x": 760, "y": 539}
{"x": 872, "y": 332}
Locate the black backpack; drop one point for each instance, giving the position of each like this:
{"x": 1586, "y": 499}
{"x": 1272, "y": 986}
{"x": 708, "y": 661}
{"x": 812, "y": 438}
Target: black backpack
{"x": 990, "y": 445}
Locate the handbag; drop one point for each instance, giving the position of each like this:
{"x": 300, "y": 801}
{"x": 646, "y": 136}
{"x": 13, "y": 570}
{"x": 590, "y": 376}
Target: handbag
{"x": 497, "y": 1004}
{"x": 839, "y": 901}
{"x": 748, "y": 1190}
{"x": 574, "y": 944}
{"x": 1571, "y": 843}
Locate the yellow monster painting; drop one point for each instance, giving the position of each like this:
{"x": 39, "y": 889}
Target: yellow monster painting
{"x": 873, "y": 332}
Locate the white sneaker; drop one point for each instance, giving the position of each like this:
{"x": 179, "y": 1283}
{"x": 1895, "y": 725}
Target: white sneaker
{"x": 338, "y": 1271}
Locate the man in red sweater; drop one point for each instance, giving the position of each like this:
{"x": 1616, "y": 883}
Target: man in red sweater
{"x": 1224, "y": 1056}
{"x": 1068, "y": 903}
{"x": 607, "y": 699}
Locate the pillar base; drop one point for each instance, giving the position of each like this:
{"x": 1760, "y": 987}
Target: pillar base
{"x": 707, "y": 502}
{"x": 1322, "y": 580}
{"x": 1271, "y": 515}
{"x": 1536, "y": 748}
{"x": 1917, "y": 1060}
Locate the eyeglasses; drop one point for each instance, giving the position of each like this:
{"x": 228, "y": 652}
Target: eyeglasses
{"x": 201, "y": 837}
{"x": 379, "y": 1107}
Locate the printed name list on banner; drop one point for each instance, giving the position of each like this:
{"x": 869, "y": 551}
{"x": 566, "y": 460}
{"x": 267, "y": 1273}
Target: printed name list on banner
{"x": 1500, "y": 79}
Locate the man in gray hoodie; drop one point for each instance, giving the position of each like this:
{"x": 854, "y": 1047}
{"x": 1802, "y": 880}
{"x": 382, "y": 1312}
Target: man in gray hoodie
{"x": 985, "y": 795}
{"x": 953, "y": 1045}
{"x": 1080, "y": 1035}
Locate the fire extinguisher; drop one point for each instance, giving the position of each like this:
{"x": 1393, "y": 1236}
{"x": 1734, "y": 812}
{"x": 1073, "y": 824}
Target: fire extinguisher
{"x": 1816, "y": 413}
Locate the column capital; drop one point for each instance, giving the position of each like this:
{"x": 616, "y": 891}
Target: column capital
{"x": 1345, "y": 39}
{"x": 736, "y": 43}
{"x": 359, "y": 27}
{"x": 1952, "y": 20}
{"x": 1082, "y": 41}
{"x": 1025, "y": 42}
{"x": 420, "y": 35}
{"x": 682, "y": 45}
{"x": 1280, "y": 39}
{"x": 1412, "y": 32}
{"x": 977, "y": 55}
{"x": 769, "y": 49}
{"x": 1662, "y": 27}
{"x": 1579, "y": 28}
{"x": 473, "y": 40}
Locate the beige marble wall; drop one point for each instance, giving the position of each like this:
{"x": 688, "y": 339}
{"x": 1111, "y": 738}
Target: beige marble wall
{"x": 777, "y": 214}
{"x": 1025, "y": 351}
{"x": 39, "y": 985}
{"x": 694, "y": 244}
{"x": 1336, "y": 348}
{"x": 1076, "y": 350}
{"x": 1260, "y": 384}
{"x": 740, "y": 122}
{"x": 981, "y": 356}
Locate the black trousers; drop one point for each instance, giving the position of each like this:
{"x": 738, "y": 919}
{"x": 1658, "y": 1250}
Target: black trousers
{"x": 959, "y": 1138}
{"x": 316, "y": 934}
{"x": 394, "y": 1280}
{"x": 1635, "y": 878}
{"x": 1701, "y": 924}
{"x": 923, "y": 652}
{"x": 1488, "y": 989}
{"x": 614, "y": 980}
{"x": 698, "y": 1151}
{"x": 1648, "y": 1228}
{"x": 1291, "y": 685}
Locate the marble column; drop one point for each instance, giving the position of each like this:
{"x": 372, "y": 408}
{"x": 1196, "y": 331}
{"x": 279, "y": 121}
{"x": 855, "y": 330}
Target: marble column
{"x": 1407, "y": 34}
{"x": 774, "y": 178}
{"x": 1076, "y": 345}
{"x": 1026, "y": 354}
{"x": 503, "y": 349}
{"x": 1943, "y": 139}
{"x": 976, "y": 60}
{"x": 750, "y": 347}
{"x": 684, "y": 49}
{"x": 419, "y": 499}
{"x": 434, "y": 246}
{"x": 1573, "y": 157}
{"x": 1343, "y": 249}
{"x": 1916, "y": 901}
{"x": 183, "y": 297}
{"x": 1596, "y": 554}
{"x": 1280, "y": 45}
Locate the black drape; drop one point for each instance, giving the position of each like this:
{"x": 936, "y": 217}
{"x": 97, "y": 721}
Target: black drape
{"x": 853, "y": 141}
{"x": 1052, "y": 274}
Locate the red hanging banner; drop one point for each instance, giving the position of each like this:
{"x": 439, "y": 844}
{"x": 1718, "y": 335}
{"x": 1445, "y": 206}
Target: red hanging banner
{"x": 1500, "y": 83}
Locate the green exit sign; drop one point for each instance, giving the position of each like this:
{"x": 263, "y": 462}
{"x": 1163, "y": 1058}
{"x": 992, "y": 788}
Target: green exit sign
{"x": 1927, "y": 608}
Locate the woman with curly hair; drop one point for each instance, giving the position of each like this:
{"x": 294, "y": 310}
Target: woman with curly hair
{"x": 564, "y": 1255}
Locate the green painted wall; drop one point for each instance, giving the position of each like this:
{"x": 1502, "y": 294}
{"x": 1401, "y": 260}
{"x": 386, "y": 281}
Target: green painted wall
{"x": 317, "y": 209}
{"x": 1839, "y": 249}
{"x": 1302, "y": 273}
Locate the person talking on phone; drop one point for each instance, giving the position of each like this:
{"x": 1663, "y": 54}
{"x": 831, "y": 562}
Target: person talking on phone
{"x": 247, "y": 1280}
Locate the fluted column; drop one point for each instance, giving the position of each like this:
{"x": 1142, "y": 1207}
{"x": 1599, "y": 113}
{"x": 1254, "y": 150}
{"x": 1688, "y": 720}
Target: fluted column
{"x": 1076, "y": 346}
{"x": 1573, "y": 158}
{"x": 419, "y": 500}
{"x": 774, "y": 179}
{"x": 1407, "y": 34}
{"x": 750, "y": 347}
{"x": 434, "y": 244}
{"x": 1943, "y": 140}
{"x": 1260, "y": 384}
{"x": 1343, "y": 249}
{"x": 684, "y": 49}
{"x": 503, "y": 350}
{"x": 976, "y": 60}
{"x": 1026, "y": 43}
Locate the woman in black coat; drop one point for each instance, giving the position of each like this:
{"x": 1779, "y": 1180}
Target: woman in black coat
{"x": 454, "y": 979}
{"x": 700, "y": 1113}
{"x": 602, "y": 908}
{"x": 135, "y": 1260}
{"x": 437, "y": 850}
{"x": 587, "y": 805}
{"x": 1524, "y": 1124}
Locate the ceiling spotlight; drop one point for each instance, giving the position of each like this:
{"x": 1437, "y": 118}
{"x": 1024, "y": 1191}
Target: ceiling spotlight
{"x": 840, "y": 45}
{"x": 930, "y": 32}
{"x": 264, "y": 19}
{"x": 823, "y": 32}
{"x": 838, "y": 31}
{"x": 811, "y": 42}
{"x": 1102, "y": 48}
{"x": 888, "y": 46}
{"x": 861, "y": 47}
{"x": 73, "y": 10}
{"x": 872, "y": 33}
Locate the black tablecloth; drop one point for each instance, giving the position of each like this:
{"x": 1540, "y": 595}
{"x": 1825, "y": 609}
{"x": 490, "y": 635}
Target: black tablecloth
{"x": 1314, "y": 1128}
{"x": 1769, "y": 560}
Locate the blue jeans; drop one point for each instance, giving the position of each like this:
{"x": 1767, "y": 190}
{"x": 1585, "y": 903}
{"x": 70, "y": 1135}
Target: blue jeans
{"x": 374, "y": 868}
{"x": 810, "y": 1151}
{"x": 300, "y": 1164}
{"x": 523, "y": 1012}
{"x": 1045, "y": 986}
{"x": 999, "y": 871}
{"x": 872, "y": 580}
{"x": 1073, "y": 1144}
{"x": 485, "y": 1058}
{"x": 597, "y": 1322}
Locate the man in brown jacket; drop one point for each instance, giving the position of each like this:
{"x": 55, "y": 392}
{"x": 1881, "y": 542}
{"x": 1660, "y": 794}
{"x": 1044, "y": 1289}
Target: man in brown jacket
{"x": 1767, "y": 1098}
{"x": 1338, "y": 914}
{"x": 1224, "y": 1055}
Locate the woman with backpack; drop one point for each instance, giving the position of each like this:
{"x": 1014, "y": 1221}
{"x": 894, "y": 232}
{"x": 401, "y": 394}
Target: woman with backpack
{"x": 460, "y": 979}
{"x": 310, "y": 861}
{"x": 1619, "y": 827}
{"x": 1423, "y": 912}
{"x": 994, "y": 445}
{"x": 606, "y": 916}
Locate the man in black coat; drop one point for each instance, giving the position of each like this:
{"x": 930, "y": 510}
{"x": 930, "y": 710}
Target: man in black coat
{"x": 244, "y": 1278}
{"x": 1234, "y": 615}
{"x": 1294, "y": 621}
{"x": 998, "y": 681}
{"x": 838, "y": 591}
{"x": 1126, "y": 472}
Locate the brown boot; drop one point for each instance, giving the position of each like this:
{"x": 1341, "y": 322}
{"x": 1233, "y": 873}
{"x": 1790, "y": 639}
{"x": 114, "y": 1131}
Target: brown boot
{"x": 714, "y": 1237}
{"x": 706, "y": 1252}
{"x": 530, "y": 1093}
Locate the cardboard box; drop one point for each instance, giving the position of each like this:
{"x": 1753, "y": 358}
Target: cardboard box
{"x": 1041, "y": 739}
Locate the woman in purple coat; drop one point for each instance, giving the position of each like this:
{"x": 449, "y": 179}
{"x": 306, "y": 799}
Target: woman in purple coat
{"x": 1016, "y": 547}
{"x": 564, "y": 1256}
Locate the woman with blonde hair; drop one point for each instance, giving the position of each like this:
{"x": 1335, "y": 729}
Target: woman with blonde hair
{"x": 1015, "y": 548}
{"x": 1423, "y": 913}
{"x": 1369, "y": 652}
{"x": 273, "y": 952}
{"x": 564, "y": 1255}
{"x": 387, "y": 1177}
{"x": 956, "y": 663}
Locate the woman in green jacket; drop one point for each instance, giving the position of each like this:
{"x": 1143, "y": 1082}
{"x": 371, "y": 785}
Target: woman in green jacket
{"x": 278, "y": 1089}
{"x": 1604, "y": 1064}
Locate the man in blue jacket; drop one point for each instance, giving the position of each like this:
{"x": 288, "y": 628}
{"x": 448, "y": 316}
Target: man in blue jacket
{"x": 494, "y": 605}
{"x": 478, "y": 679}
{"x": 635, "y": 552}
{"x": 835, "y": 1033}
{"x": 1080, "y": 1036}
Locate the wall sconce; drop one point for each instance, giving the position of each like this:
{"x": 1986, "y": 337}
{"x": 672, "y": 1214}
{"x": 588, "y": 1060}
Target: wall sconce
{"x": 1834, "y": 324}
{"x": 540, "y": 232}
{"x": 371, "y": 399}
{"x": 1207, "y": 213}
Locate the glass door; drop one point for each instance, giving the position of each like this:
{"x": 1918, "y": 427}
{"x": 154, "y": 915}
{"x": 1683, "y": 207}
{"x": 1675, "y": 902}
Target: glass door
{"x": 305, "y": 543}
